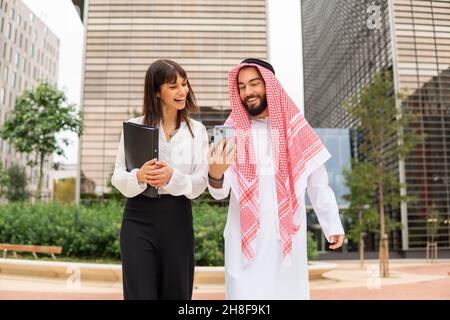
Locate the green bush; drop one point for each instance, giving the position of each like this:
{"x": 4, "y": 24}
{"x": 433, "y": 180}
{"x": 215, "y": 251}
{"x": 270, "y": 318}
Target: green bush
{"x": 82, "y": 231}
{"x": 209, "y": 223}
{"x": 16, "y": 187}
{"x": 92, "y": 231}
{"x": 311, "y": 246}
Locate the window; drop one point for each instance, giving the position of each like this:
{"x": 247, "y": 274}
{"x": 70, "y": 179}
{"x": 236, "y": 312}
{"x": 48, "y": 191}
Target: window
{"x": 5, "y": 49}
{"x": 9, "y": 30}
{"x": 2, "y": 97}
{"x": 31, "y": 17}
{"x": 1, "y": 25}
{"x": 24, "y": 65}
{"x": 13, "y": 13}
{"x": 16, "y": 59}
{"x": 5, "y": 74}
{"x": 14, "y": 80}
{"x": 19, "y": 19}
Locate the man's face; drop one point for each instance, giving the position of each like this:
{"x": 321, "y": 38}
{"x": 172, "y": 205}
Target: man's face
{"x": 252, "y": 90}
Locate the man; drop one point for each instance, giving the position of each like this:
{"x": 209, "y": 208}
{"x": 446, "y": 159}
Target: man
{"x": 276, "y": 157}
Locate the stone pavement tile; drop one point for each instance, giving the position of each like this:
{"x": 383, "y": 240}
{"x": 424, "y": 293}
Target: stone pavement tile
{"x": 22, "y": 283}
{"x": 214, "y": 295}
{"x": 352, "y": 275}
{"x": 28, "y": 295}
{"x": 428, "y": 290}
{"x": 436, "y": 268}
{"x": 410, "y": 279}
{"x": 20, "y": 295}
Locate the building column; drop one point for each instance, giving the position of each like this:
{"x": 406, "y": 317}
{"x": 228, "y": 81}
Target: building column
{"x": 401, "y": 162}
{"x": 284, "y": 46}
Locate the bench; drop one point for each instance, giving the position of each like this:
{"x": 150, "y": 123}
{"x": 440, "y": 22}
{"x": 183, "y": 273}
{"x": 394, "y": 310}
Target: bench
{"x": 29, "y": 248}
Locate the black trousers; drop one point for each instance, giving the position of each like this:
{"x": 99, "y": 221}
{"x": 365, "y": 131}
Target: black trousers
{"x": 157, "y": 248}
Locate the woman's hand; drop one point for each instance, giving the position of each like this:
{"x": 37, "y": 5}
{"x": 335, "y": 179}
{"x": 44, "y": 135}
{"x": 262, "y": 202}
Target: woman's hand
{"x": 143, "y": 174}
{"x": 219, "y": 160}
{"x": 159, "y": 174}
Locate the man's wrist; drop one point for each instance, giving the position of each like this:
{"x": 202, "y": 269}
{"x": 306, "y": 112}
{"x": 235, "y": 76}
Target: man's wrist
{"x": 214, "y": 179}
{"x": 215, "y": 183}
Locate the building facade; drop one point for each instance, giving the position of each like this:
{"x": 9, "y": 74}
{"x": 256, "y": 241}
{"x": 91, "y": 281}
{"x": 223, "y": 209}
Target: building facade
{"x": 29, "y": 53}
{"x": 344, "y": 44}
{"x": 124, "y": 37}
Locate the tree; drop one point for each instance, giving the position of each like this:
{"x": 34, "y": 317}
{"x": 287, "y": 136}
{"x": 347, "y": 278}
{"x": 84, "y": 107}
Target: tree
{"x": 387, "y": 135}
{"x": 16, "y": 189}
{"x": 36, "y": 119}
{"x": 361, "y": 210}
{"x": 4, "y": 179}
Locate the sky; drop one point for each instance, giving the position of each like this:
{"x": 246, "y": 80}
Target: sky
{"x": 63, "y": 20}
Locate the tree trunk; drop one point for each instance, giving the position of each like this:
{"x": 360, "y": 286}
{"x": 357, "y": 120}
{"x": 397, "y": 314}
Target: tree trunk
{"x": 361, "y": 250}
{"x": 41, "y": 173}
{"x": 384, "y": 246}
{"x": 361, "y": 242}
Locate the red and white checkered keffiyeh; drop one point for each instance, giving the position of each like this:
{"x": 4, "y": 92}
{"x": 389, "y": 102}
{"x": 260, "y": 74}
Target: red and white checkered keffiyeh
{"x": 295, "y": 145}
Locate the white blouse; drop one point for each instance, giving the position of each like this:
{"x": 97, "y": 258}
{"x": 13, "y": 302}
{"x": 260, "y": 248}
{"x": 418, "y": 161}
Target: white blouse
{"x": 185, "y": 154}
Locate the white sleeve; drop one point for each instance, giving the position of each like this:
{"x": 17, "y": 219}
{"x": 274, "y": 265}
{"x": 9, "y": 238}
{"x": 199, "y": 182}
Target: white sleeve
{"x": 192, "y": 185}
{"x": 324, "y": 202}
{"x": 220, "y": 193}
{"x": 126, "y": 182}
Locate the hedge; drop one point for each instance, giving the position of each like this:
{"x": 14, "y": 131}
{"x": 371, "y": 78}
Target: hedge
{"x": 92, "y": 231}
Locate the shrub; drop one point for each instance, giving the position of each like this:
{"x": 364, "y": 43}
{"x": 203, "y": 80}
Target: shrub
{"x": 209, "y": 223}
{"x": 92, "y": 231}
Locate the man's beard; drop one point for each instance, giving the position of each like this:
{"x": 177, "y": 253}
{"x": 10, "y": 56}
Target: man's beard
{"x": 256, "y": 110}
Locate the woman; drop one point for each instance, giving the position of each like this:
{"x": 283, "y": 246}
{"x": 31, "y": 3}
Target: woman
{"x": 157, "y": 236}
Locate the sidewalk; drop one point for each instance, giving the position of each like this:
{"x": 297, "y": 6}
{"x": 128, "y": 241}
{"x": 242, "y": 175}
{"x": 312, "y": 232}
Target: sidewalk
{"x": 410, "y": 279}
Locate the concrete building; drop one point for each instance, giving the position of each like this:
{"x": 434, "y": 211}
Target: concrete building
{"x": 124, "y": 37}
{"x": 29, "y": 53}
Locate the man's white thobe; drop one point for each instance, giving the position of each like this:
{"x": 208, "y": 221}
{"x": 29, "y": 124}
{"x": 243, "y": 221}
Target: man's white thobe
{"x": 266, "y": 276}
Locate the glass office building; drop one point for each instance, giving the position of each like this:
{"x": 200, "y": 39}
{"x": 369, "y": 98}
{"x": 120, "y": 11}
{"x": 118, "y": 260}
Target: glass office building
{"x": 344, "y": 44}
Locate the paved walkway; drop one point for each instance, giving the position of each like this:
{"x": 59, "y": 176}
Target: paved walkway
{"x": 410, "y": 279}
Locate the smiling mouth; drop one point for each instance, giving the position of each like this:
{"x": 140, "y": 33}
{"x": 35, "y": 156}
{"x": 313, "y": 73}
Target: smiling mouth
{"x": 181, "y": 100}
{"x": 252, "y": 100}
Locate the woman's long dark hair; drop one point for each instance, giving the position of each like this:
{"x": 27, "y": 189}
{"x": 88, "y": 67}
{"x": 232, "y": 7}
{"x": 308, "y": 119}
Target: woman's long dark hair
{"x": 159, "y": 72}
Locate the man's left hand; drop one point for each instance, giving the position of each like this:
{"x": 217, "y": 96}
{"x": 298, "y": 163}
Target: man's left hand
{"x": 336, "y": 241}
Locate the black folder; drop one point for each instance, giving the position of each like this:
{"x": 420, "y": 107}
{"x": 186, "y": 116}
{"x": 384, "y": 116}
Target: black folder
{"x": 141, "y": 145}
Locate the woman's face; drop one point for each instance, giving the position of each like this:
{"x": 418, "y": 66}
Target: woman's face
{"x": 173, "y": 94}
